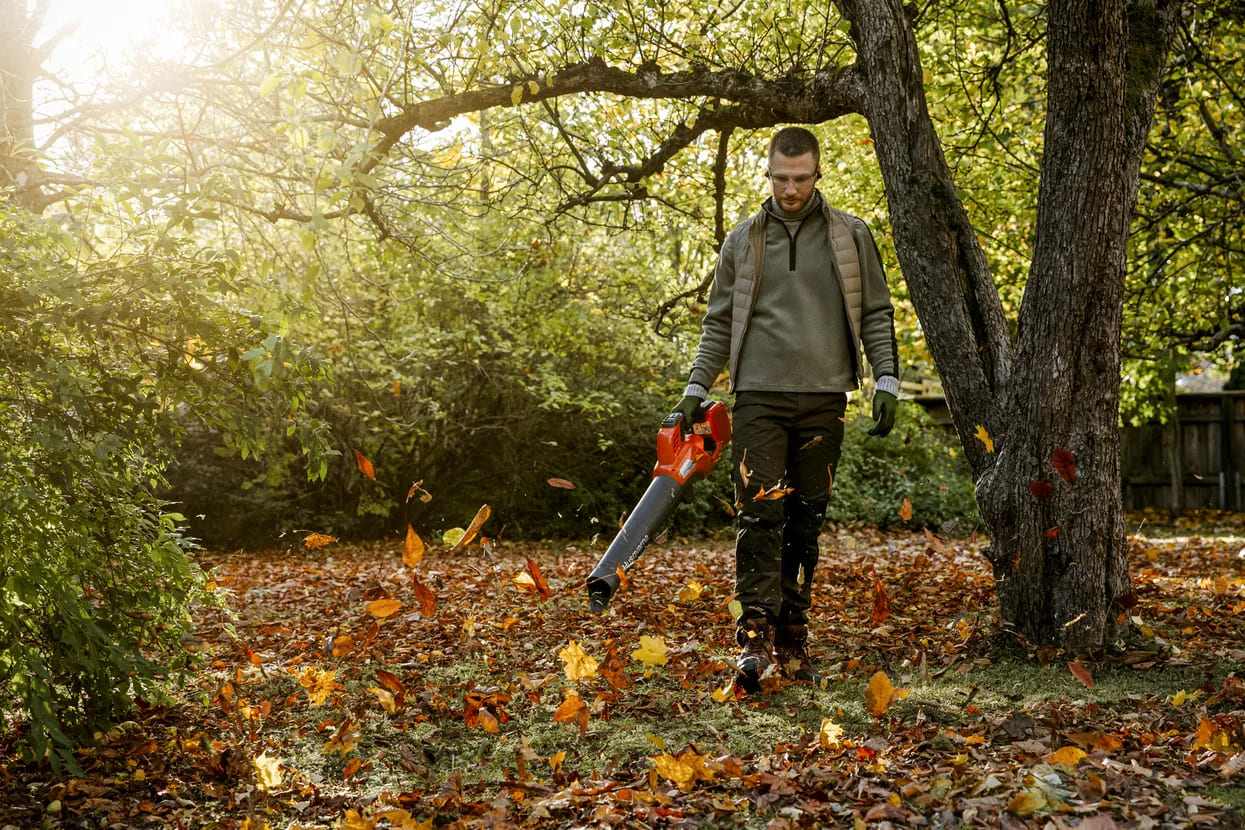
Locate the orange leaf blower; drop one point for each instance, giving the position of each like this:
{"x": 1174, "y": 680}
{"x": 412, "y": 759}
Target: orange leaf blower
{"x": 681, "y": 461}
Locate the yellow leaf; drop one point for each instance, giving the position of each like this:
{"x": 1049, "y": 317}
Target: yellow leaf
{"x": 1205, "y": 731}
{"x": 1026, "y": 803}
{"x": 905, "y": 510}
{"x": 725, "y": 693}
{"x": 1179, "y": 698}
{"x": 691, "y": 591}
{"x": 453, "y": 536}
{"x": 984, "y": 437}
{"x": 268, "y": 772}
{"x": 315, "y": 541}
{"x": 533, "y": 87}
{"x": 829, "y": 734}
{"x": 516, "y": 95}
{"x": 652, "y": 651}
{"x": 386, "y": 698}
{"x": 684, "y": 770}
{"x": 318, "y": 683}
{"x": 353, "y": 820}
{"x": 736, "y": 608}
{"x": 382, "y": 608}
{"x": 880, "y": 694}
{"x": 1069, "y": 755}
{"x": 655, "y": 740}
{"x": 577, "y": 662}
{"x": 412, "y": 548}
{"x": 472, "y": 529}
{"x": 525, "y": 581}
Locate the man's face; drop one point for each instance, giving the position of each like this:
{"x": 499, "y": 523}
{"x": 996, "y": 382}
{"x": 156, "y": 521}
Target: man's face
{"x": 793, "y": 179}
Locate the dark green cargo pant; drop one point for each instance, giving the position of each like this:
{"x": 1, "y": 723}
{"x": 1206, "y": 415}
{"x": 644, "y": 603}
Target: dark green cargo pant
{"x": 782, "y": 439}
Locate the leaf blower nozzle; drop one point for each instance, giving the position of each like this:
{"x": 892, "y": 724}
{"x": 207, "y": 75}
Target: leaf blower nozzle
{"x": 682, "y": 459}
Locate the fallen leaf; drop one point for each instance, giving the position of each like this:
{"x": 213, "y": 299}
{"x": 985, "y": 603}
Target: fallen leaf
{"x": 652, "y": 651}
{"x": 1065, "y": 465}
{"x": 385, "y": 698}
{"x": 353, "y": 820}
{"x": 984, "y": 437}
{"x": 569, "y": 710}
{"x": 1069, "y": 755}
{"x": 381, "y": 608}
{"x": 365, "y": 466}
{"x": 684, "y": 770}
{"x": 577, "y": 662}
{"x": 412, "y": 548}
{"x": 1026, "y": 802}
{"x": 829, "y": 734}
{"x": 1205, "y": 733}
{"x": 905, "y": 510}
{"x": 315, "y": 541}
{"x": 560, "y": 483}
{"x": 267, "y": 772}
{"x": 1081, "y": 673}
{"x": 352, "y": 766}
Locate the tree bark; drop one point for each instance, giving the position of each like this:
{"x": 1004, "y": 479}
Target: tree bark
{"x": 1058, "y": 554}
{"x": 17, "y": 77}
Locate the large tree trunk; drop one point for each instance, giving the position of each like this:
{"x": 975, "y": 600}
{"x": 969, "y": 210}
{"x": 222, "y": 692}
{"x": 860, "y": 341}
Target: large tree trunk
{"x": 17, "y": 77}
{"x": 1058, "y": 556}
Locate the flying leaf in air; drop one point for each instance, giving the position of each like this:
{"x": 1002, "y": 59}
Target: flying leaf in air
{"x": 652, "y": 651}
{"x": 538, "y": 579}
{"x": 365, "y": 466}
{"x": 472, "y": 529}
{"x": 523, "y": 580}
{"x": 1041, "y": 489}
{"x": 905, "y": 510}
{"x": 417, "y": 487}
{"x": 731, "y": 691}
{"x": 744, "y": 473}
{"x": 578, "y": 663}
{"x": 560, "y": 483}
{"x": 426, "y": 598}
{"x": 386, "y": 699}
{"x": 453, "y": 536}
{"x": 412, "y": 548}
{"x": 318, "y": 683}
{"x": 1065, "y": 464}
{"x": 830, "y": 734}
{"x": 984, "y": 437}
{"x": 381, "y": 608}
{"x": 1081, "y": 673}
{"x": 773, "y": 493}
{"x": 315, "y": 541}
{"x": 881, "y": 602}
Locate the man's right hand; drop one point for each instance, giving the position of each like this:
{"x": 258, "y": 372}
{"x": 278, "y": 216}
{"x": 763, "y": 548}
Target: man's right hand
{"x": 687, "y": 407}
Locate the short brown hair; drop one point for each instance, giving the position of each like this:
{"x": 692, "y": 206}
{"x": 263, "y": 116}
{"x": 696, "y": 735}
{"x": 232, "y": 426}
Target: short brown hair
{"x": 794, "y": 141}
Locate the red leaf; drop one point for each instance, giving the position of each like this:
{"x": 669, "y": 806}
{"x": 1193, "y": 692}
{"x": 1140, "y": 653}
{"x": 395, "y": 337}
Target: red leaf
{"x": 1065, "y": 463}
{"x": 1052, "y": 532}
{"x": 426, "y": 598}
{"x": 542, "y": 587}
{"x": 1081, "y": 673}
{"x": 560, "y": 483}
{"x": 881, "y": 602}
{"x": 1041, "y": 489}
{"x": 365, "y": 466}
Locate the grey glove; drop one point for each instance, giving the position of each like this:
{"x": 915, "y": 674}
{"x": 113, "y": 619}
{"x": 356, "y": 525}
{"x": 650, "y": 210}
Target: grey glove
{"x": 885, "y": 405}
{"x": 687, "y": 407}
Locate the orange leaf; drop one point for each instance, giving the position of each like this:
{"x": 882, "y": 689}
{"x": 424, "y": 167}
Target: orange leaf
{"x": 1053, "y": 532}
{"x": 412, "y": 548}
{"x": 315, "y": 541}
{"x": 1065, "y": 464}
{"x": 427, "y": 599}
{"x": 881, "y": 602}
{"x": 1205, "y": 731}
{"x": 1069, "y": 755}
{"x": 481, "y": 517}
{"x": 390, "y": 681}
{"x": 365, "y": 466}
{"x": 352, "y": 766}
{"x": 487, "y": 722}
{"x": 1041, "y": 489}
{"x": 880, "y": 693}
{"x": 570, "y": 707}
{"x": 560, "y": 483}
{"x": 773, "y": 494}
{"x": 541, "y": 585}
{"x": 905, "y": 511}
{"x": 424, "y": 496}
{"x": 382, "y": 608}
{"x": 1081, "y": 673}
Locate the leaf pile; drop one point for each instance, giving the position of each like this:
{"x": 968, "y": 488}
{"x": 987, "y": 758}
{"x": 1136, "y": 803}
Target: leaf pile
{"x": 381, "y": 687}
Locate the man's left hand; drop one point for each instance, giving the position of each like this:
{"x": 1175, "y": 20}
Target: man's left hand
{"x": 884, "y": 407}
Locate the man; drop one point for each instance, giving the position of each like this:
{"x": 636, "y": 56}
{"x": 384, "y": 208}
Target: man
{"x": 799, "y": 288}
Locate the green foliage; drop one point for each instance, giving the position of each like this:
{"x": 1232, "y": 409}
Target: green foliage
{"x": 96, "y": 357}
{"x": 919, "y": 460}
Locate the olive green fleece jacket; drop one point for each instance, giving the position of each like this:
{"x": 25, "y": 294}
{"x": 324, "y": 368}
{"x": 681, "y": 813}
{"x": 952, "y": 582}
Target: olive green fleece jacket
{"x": 819, "y": 299}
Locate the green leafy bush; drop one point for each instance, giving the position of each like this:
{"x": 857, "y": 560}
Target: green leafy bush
{"x": 96, "y": 360}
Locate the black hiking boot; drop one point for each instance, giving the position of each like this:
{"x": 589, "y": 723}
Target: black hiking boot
{"x": 756, "y": 659}
{"x": 791, "y": 652}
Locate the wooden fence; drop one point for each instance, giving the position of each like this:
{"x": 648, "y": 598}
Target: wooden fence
{"x": 1193, "y": 461}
